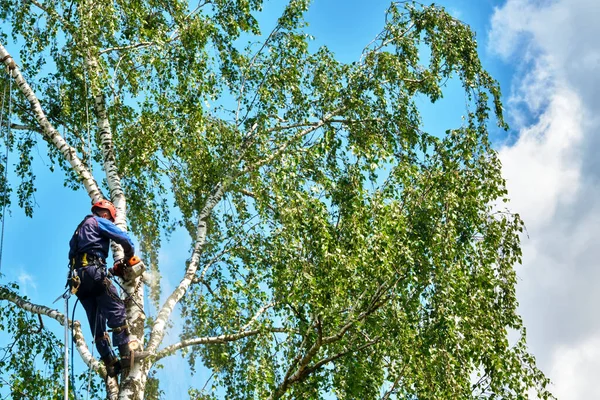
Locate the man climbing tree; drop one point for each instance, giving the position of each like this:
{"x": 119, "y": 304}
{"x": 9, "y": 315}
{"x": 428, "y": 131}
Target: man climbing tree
{"x": 88, "y": 251}
{"x": 337, "y": 249}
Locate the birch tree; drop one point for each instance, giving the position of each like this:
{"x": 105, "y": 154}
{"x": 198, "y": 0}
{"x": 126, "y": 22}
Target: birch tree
{"x": 337, "y": 250}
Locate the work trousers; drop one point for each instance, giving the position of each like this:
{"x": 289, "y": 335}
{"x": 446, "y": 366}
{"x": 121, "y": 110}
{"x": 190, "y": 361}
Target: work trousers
{"x": 103, "y": 307}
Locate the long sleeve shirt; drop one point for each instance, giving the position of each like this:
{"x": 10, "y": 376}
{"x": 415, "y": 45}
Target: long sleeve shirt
{"x": 94, "y": 235}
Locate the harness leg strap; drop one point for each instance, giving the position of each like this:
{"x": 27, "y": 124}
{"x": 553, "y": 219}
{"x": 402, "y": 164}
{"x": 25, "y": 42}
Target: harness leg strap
{"x": 120, "y": 329}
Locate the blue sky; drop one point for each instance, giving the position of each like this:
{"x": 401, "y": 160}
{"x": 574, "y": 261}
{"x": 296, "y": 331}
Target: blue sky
{"x": 547, "y": 58}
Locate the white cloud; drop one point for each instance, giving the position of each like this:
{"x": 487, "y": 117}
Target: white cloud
{"x": 508, "y": 26}
{"x": 553, "y": 177}
{"x": 542, "y": 168}
{"x": 26, "y": 282}
{"x": 577, "y": 366}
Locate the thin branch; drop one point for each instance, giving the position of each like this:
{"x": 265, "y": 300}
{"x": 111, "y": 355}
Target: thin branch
{"x": 212, "y": 292}
{"x": 313, "y": 127}
{"x": 277, "y": 117}
{"x": 374, "y": 304}
{"x": 253, "y": 195}
{"x": 25, "y": 128}
{"x": 355, "y": 121}
{"x": 327, "y": 360}
{"x": 169, "y": 350}
{"x": 292, "y": 126}
{"x": 128, "y": 47}
{"x": 298, "y": 357}
{"x": 258, "y": 314}
{"x": 228, "y": 247}
{"x": 52, "y": 13}
{"x": 175, "y": 34}
{"x": 106, "y": 138}
{"x": 396, "y": 381}
{"x": 242, "y": 86}
{"x": 301, "y": 361}
{"x": 214, "y": 260}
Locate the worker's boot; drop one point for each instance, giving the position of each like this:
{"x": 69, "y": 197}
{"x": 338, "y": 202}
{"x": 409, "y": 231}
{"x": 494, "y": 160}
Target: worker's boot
{"x": 124, "y": 351}
{"x": 112, "y": 364}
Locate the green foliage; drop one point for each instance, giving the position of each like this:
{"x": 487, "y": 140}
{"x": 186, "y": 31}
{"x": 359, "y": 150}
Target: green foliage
{"x": 153, "y": 391}
{"x": 31, "y": 361}
{"x": 374, "y": 258}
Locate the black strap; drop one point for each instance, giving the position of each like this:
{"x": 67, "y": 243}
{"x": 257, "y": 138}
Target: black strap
{"x": 86, "y": 259}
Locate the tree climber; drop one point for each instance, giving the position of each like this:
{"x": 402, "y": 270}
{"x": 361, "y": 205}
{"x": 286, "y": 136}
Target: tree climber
{"x": 89, "y": 281}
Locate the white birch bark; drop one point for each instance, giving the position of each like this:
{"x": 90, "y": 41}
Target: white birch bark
{"x": 133, "y": 386}
{"x": 158, "y": 330}
{"x": 169, "y": 350}
{"x": 49, "y": 132}
{"x": 113, "y": 179}
{"x": 108, "y": 155}
{"x": 135, "y": 316}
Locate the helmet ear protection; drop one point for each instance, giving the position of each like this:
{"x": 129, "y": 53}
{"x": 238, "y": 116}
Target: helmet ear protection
{"x": 106, "y": 205}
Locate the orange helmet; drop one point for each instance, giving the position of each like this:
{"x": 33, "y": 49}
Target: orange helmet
{"x": 106, "y": 205}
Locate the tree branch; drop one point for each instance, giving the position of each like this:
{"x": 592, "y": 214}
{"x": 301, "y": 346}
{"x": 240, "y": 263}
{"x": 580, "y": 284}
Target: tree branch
{"x": 169, "y": 350}
{"x": 158, "y": 331}
{"x": 26, "y": 128}
{"x": 327, "y": 360}
{"x": 49, "y": 132}
{"x": 242, "y": 86}
{"x": 52, "y": 13}
{"x": 304, "y": 370}
{"x": 258, "y": 314}
{"x": 387, "y": 395}
{"x": 88, "y": 359}
{"x": 128, "y": 47}
{"x": 302, "y": 362}
{"x": 313, "y": 127}
{"x": 374, "y": 304}
{"x": 108, "y": 154}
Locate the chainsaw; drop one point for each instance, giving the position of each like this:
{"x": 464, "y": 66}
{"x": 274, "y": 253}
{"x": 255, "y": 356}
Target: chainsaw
{"x": 128, "y": 269}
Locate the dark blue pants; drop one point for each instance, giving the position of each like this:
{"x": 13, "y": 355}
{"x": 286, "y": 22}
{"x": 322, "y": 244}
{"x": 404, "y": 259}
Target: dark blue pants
{"x": 103, "y": 307}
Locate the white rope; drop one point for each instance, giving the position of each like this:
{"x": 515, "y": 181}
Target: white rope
{"x": 5, "y": 156}
{"x": 93, "y": 345}
{"x": 67, "y": 347}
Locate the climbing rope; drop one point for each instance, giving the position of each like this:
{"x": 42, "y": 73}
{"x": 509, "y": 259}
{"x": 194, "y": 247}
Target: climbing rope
{"x": 5, "y": 156}
{"x": 89, "y": 380}
{"x": 73, "y": 351}
{"x": 66, "y": 296}
{"x": 93, "y": 345}
{"x": 66, "y": 345}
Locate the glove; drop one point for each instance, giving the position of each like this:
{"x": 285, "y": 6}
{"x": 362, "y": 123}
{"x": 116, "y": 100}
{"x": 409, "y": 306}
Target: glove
{"x": 118, "y": 269}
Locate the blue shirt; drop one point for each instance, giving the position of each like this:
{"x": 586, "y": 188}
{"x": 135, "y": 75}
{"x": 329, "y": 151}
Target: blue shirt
{"x": 94, "y": 236}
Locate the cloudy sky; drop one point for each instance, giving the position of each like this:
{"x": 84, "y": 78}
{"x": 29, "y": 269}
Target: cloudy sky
{"x": 546, "y": 54}
{"x": 553, "y": 176}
